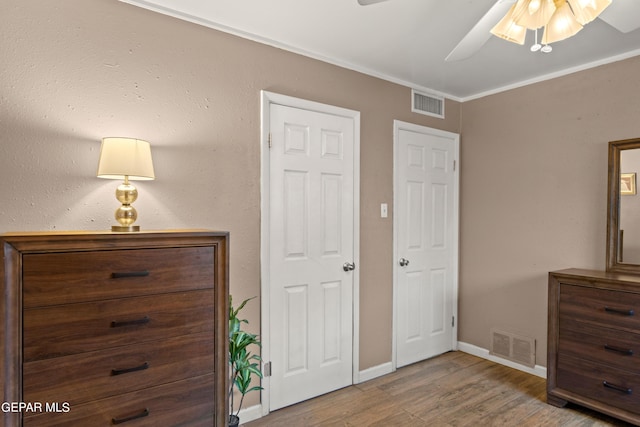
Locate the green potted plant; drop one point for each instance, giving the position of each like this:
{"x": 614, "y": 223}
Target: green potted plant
{"x": 242, "y": 364}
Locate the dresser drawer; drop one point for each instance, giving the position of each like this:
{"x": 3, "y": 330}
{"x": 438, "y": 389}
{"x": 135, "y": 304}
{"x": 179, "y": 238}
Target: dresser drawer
{"x": 95, "y": 375}
{"x": 183, "y": 403}
{"x": 609, "y": 346}
{"x": 609, "y": 385}
{"x": 612, "y": 309}
{"x": 76, "y": 328}
{"x": 69, "y": 277}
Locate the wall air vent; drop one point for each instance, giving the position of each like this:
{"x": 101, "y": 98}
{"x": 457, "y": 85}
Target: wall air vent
{"x": 426, "y": 103}
{"x": 513, "y": 347}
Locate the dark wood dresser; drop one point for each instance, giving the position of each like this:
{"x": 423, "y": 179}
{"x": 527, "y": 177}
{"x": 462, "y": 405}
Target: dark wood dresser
{"x": 594, "y": 341}
{"x": 104, "y": 329}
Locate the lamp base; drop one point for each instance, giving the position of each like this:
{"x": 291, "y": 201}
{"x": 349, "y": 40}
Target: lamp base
{"x": 126, "y": 229}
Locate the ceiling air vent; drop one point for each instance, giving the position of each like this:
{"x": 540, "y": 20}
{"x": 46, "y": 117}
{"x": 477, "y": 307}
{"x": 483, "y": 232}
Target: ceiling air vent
{"x": 426, "y": 103}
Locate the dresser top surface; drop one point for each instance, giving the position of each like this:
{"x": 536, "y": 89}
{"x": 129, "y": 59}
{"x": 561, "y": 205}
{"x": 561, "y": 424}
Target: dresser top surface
{"x": 87, "y": 240}
{"x": 57, "y": 233}
{"x": 598, "y": 275}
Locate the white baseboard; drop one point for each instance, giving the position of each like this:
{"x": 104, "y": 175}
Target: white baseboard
{"x": 375, "y": 372}
{"x": 539, "y": 371}
{"x": 251, "y": 413}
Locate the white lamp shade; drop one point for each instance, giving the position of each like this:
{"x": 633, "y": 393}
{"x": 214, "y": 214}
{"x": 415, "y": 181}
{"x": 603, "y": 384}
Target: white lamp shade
{"x": 120, "y": 157}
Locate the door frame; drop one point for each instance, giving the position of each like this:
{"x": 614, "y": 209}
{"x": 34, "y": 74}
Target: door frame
{"x": 397, "y": 127}
{"x": 266, "y": 99}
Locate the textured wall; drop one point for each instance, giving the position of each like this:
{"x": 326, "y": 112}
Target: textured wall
{"x": 534, "y": 193}
{"x": 533, "y": 166}
{"x": 75, "y": 71}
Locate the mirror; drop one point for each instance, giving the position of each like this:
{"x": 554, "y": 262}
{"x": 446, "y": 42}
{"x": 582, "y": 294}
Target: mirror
{"x": 623, "y": 210}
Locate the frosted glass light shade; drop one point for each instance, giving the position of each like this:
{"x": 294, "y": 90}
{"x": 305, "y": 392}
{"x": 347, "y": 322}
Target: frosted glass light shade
{"x": 533, "y": 14}
{"x": 508, "y": 29}
{"x": 120, "y": 157}
{"x": 562, "y": 25}
{"x": 586, "y": 11}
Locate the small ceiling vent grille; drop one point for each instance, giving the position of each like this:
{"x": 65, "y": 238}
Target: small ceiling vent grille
{"x": 429, "y": 104}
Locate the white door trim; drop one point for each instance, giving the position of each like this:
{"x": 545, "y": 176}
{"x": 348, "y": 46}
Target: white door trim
{"x": 397, "y": 126}
{"x": 268, "y": 98}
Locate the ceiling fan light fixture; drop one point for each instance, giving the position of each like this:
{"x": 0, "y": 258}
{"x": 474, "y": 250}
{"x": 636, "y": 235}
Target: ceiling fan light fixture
{"x": 562, "y": 25}
{"x": 508, "y": 29}
{"x": 533, "y": 14}
{"x": 586, "y": 11}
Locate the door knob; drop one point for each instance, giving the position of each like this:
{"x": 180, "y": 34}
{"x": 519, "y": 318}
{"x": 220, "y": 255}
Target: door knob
{"x": 403, "y": 262}
{"x": 348, "y": 266}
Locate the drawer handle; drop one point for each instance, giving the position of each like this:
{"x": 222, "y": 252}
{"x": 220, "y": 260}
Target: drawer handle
{"x": 144, "y": 413}
{"x": 625, "y": 351}
{"x": 619, "y": 311}
{"x": 621, "y": 389}
{"x": 142, "y": 321}
{"x": 142, "y": 367}
{"x": 122, "y": 274}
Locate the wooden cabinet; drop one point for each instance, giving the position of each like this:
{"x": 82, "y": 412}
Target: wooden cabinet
{"x": 113, "y": 328}
{"x": 594, "y": 341}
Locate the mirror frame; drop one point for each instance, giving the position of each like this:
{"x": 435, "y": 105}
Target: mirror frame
{"x": 613, "y": 207}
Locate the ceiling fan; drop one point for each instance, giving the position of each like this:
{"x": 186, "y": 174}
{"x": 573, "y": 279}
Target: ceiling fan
{"x": 621, "y": 14}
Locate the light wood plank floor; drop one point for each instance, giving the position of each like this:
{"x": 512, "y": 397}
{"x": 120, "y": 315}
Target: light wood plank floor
{"x": 455, "y": 389}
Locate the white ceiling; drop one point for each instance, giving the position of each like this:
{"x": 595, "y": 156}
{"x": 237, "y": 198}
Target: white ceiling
{"x": 407, "y": 41}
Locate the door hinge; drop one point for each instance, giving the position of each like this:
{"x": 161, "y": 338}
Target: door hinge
{"x": 453, "y": 321}
{"x": 266, "y": 369}
{"x": 454, "y": 165}
{"x": 269, "y": 139}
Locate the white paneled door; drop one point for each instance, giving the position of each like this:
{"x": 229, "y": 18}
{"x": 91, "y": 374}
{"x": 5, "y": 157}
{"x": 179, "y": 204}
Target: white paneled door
{"x": 426, "y": 234}
{"x": 311, "y": 253}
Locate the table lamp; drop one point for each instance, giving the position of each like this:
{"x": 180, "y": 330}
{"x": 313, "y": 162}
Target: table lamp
{"x": 127, "y": 159}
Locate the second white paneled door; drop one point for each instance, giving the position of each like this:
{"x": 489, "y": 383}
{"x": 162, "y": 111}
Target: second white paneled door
{"x": 311, "y": 250}
{"x": 426, "y": 241}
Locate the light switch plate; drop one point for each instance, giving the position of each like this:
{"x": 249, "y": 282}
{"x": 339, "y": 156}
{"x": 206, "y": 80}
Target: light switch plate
{"x": 384, "y": 210}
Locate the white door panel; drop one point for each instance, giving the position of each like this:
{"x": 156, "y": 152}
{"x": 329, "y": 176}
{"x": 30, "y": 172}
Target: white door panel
{"x": 425, "y": 234}
{"x": 311, "y": 238}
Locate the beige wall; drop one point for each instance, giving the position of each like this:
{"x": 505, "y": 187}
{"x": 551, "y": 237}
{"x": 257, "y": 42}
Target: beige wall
{"x": 533, "y": 167}
{"x": 75, "y": 71}
{"x": 533, "y": 184}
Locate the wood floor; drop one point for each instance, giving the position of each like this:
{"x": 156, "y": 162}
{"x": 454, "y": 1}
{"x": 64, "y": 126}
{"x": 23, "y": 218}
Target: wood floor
{"x": 455, "y": 389}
